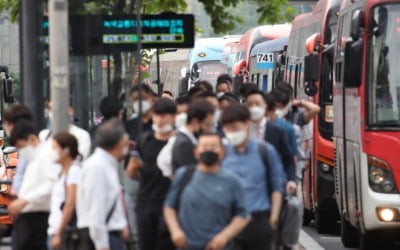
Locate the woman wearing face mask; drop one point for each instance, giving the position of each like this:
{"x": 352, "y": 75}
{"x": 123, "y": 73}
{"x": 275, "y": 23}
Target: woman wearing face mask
{"x": 63, "y": 198}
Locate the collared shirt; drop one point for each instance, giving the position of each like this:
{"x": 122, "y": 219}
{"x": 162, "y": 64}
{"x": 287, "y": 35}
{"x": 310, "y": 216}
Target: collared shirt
{"x": 98, "y": 191}
{"x": 249, "y": 167}
{"x": 19, "y": 175}
{"x": 189, "y": 134}
{"x": 290, "y": 133}
{"x": 257, "y": 131}
{"x": 83, "y": 137}
{"x": 38, "y": 181}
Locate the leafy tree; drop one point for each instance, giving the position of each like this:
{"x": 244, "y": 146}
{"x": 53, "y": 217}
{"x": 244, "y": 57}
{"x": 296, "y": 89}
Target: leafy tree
{"x": 222, "y": 19}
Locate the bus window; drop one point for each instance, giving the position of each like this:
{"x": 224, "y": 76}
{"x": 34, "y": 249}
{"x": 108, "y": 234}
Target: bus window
{"x": 383, "y": 88}
{"x": 325, "y": 121}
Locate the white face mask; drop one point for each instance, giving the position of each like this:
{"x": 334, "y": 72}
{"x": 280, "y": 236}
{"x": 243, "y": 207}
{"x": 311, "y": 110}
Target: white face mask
{"x": 146, "y": 106}
{"x": 180, "y": 120}
{"x": 217, "y": 116}
{"x": 164, "y": 129}
{"x": 256, "y": 113}
{"x": 280, "y": 113}
{"x": 28, "y": 153}
{"x": 53, "y": 155}
{"x": 236, "y": 138}
{"x": 220, "y": 94}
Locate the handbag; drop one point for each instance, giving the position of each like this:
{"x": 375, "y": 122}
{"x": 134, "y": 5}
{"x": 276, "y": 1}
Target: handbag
{"x": 73, "y": 238}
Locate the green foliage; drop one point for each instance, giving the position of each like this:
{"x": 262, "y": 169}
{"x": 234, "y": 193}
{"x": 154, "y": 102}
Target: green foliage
{"x": 12, "y": 7}
{"x": 222, "y": 19}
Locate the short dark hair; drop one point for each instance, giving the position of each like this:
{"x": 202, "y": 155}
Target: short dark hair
{"x": 110, "y": 107}
{"x": 199, "y": 109}
{"x": 145, "y": 88}
{"x": 245, "y": 89}
{"x": 18, "y": 112}
{"x": 256, "y": 92}
{"x": 285, "y": 87}
{"x": 109, "y": 134}
{"x": 67, "y": 141}
{"x": 206, "y": 94}
{"x": 234, "y": 113}
{"x": 213, "y": 134}
{"x": 183, "y": 100}
{"x": 230, "y": 97}
{"x": 224, "y": 78}
{"x": 206, "y": 84}
{"x": 270, "y": 100}
{"x": 22, "y": 130}
{"x": 281, "y": 96}
{"x": 194, "y": 90}
{"x": 168, "y": 93}
{"x": 164, "y": 106}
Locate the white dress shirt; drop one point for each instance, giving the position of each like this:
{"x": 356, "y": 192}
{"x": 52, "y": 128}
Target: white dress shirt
{"x": 257, "y": 131}
{"x": 164, "y": 158}
{"x": 81, "y": 135}
{"x": 96, "y": 195}
{"x": 38, "y": 181}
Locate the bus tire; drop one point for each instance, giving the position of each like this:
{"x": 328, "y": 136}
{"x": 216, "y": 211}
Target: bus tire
{"x": 348, "y": 234}
{"x": 325, "y": 222}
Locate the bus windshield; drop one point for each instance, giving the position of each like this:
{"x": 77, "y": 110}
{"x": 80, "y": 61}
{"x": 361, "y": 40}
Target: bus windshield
{"x": 209, "y": 70}
{"x": 384, "y": 59}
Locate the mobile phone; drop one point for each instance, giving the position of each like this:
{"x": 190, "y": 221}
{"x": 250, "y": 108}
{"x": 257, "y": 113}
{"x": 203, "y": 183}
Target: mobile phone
{"x": 135, "y": 154}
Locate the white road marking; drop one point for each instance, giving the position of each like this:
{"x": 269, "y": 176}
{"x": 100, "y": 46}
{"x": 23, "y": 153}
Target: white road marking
{"x": 308, "y": 242}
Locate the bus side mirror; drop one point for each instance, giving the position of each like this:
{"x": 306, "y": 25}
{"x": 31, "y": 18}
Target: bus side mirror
{"x": 357, "y": 21}
{"x": 8, "y": 90}
{"x": 353, "y": 64}
{"x": 237, "y": 83}
{"x": 311, "y": 68}
{"x": 183, "y": 86}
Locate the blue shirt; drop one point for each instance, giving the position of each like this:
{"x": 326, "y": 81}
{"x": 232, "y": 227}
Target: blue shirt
{"x": 290, "y": 133}
{"x": 207, "y": 204}
{"x": 249, "y": 167}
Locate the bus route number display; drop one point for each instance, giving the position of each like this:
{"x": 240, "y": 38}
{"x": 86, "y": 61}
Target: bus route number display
{"x": 265, "y": 61}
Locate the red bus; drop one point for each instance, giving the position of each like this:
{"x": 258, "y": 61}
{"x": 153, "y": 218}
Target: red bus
{"x": 367, "y": 122}
{"x": 318, "y": 28}
{"x": 240, "y": 52}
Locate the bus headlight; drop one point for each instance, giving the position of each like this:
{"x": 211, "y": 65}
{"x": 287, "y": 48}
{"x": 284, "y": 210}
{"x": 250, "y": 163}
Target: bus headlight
{"x": 380, "y": 176}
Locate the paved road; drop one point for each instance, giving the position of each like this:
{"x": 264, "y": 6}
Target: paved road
{"x": 311, "y": 240}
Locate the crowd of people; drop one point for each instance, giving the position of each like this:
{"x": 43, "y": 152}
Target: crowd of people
{"x": 210, "y": 170}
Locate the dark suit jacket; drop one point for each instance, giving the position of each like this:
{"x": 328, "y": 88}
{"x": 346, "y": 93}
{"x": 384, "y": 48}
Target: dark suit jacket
{"x": 182, "y": 152}
{"x": 277, "y": 137}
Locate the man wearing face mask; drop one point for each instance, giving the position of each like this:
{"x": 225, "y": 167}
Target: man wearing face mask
{"x": 153, "y": 186}
{"x": 221, "y": 212}
{"x": 263, "y": 183}
{"x": 200, "y": 119}
{"x": 148, "y": 97}
{"x": 268, "y": 129}
{"x": 99, "y": 205}
{"x": 33, "y": 204}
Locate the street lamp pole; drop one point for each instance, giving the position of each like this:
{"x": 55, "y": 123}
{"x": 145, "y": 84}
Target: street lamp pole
{"x": 59, "y": 63}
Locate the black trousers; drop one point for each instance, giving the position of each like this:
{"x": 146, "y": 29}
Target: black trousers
{"x": 256, "y": 235}
{"x": 152, "y": 230}
{"x": 30, "y": 231}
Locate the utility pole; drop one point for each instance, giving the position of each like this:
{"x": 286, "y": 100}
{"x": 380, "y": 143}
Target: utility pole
{"x": 59, "y": 63}
{"x": 31, "y": 58}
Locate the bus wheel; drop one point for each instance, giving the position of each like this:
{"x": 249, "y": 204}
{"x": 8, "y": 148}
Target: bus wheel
{"x": 371, "y": 241}
{"x": 325, "y": 222}
{"x": 348, "y": 233}
{"x": 308, "y": 216}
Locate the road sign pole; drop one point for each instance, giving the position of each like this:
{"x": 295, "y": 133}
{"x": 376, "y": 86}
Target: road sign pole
{"x": 59, "y": 63}
{"x": 159, "y": 87}
{"x": 31, "y": 59}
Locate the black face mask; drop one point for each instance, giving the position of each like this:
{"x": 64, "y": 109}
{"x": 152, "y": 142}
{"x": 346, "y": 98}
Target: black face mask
{"x": 209, "y": 158}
